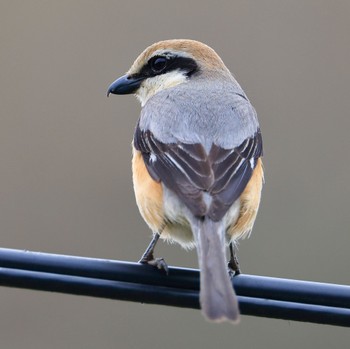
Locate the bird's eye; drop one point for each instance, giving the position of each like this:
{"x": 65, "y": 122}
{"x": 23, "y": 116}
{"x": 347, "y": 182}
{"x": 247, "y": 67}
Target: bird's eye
{"x": 158, "y": 64}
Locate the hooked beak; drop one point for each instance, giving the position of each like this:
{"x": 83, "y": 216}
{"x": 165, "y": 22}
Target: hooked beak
{"x": 124, "y": 85}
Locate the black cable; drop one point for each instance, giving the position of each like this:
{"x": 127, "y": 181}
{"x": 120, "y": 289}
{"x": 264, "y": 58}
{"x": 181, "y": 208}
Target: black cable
{"x": 258, "y": 296}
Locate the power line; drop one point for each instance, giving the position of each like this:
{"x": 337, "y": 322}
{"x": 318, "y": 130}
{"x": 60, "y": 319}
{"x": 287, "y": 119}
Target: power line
{"x": 258, "y": 296}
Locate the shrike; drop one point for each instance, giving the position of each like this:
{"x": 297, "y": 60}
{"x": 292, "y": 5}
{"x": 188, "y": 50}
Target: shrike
{"x": 197, "y": 169}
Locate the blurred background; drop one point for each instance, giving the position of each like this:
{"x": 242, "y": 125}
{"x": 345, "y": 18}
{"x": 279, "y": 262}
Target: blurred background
{"x": 65, "y": 177}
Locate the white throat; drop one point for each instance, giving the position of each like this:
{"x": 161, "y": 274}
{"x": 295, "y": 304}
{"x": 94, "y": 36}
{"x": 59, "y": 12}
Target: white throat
{"x": 151, "y": 86}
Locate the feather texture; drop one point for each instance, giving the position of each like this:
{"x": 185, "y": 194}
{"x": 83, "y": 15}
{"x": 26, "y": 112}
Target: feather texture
{"x": 189, "y": 171}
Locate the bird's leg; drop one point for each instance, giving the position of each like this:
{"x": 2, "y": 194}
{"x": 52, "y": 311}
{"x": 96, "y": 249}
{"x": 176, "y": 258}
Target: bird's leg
{"x": 233, "y": 264}
{"x": 148, "y": 256}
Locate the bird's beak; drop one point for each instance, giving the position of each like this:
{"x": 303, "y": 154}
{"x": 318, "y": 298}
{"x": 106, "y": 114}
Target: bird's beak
{"x": 124, "y": 85}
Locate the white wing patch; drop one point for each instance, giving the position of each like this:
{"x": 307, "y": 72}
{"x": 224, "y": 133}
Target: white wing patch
{"x": 153, "y": 158}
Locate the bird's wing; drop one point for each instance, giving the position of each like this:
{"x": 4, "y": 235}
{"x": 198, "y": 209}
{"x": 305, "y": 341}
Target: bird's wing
{"x": 189, "y": 171}
{"x": 233, "y": 170}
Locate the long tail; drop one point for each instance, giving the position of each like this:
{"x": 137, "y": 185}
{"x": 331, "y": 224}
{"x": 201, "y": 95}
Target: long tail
{"x": 217, "y": 297}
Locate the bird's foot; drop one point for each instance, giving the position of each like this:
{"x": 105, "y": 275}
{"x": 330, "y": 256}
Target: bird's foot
{"x": 233, "y": 264}
{"x": 156, "y": 262}
{"x": 233, "y": 267}
{"x": 148, "y": 257}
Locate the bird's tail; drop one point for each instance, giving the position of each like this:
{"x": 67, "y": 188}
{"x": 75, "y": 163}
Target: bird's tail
{"x": 217, "y": 297}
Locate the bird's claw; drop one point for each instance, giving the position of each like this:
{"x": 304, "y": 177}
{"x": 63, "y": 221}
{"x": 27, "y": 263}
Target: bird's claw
{"x": 156, "y": 262}
{"x": 233, "y": 268}
{"x": 233, "y": 273}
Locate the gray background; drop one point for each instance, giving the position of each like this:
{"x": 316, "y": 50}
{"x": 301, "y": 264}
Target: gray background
{"x": 65, "y": 178}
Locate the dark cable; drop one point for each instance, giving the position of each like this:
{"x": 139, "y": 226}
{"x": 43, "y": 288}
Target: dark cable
{"x": 258, "y": 296}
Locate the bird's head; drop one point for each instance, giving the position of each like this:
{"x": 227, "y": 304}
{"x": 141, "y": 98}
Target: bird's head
{"x": 166, "y": 64}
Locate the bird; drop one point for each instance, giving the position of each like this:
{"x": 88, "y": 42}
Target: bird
{"x": 197, "y": 161}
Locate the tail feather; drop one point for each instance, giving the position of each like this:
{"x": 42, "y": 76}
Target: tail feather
{"x": 217, "y": 297}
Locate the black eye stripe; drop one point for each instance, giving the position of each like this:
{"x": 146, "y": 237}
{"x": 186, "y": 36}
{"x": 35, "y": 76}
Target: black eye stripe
{"x": 159, "y": 65}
